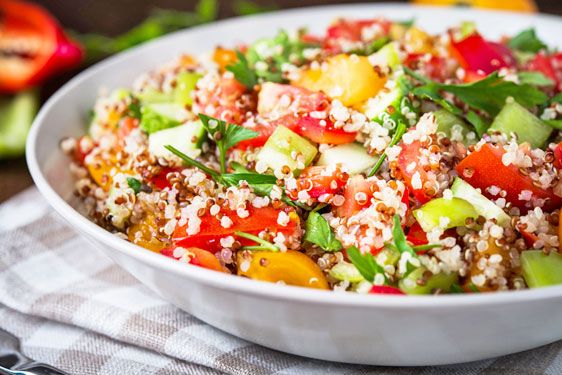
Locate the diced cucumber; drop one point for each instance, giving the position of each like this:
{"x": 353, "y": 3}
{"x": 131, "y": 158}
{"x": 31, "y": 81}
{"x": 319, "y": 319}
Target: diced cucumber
{"x": 186, "y": 138}
{"x": 346, "y": 271}
{"x": 444, "y": 213}
{"x": 151, "y": 95}
{"x": 390, "y": 107}
{"x": 387, "y": 256}
{"x": 352, "y": 155}
{"x": 386, "y": 56}
{"x": 482, "y": 205}
{"x": 160, "y": 116}
{"x": 283, "y": 147}
{"x": 540, "y": 269}
{"x": 119, "y": 94}
{"x": 454, "y": 127}
{"x": 186, "y": 82}
{"x": 442, "y": 280}
{"x": 514, "y": 118}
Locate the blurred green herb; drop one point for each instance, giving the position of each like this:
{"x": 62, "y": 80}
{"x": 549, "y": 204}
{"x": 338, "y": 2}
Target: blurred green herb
{"x": 246, "y": 7}
{"x": 159, "y": 22}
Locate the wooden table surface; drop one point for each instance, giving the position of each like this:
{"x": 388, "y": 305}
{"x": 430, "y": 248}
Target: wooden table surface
{"x": 112, "y": 17}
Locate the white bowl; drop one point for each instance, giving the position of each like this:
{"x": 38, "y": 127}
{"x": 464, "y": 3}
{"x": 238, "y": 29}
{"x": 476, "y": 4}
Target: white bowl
{"x": 372, "y": 329}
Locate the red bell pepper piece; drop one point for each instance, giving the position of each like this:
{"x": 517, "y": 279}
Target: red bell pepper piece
{"x": 476, "y": 54}
{"x": 211, "y": 231}
{"x": 484, "y": 168}
{"x": 160, "y": 181}
{"x": 558, "y": 156}
{"x": 54, "y": 51}
{"x": 385, "y": 289}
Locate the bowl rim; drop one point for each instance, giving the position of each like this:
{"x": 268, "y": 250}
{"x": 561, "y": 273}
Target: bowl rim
{"x": 242, "y": 285}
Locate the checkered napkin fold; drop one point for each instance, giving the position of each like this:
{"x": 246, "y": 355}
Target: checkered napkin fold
{"x": 73, "y": 308}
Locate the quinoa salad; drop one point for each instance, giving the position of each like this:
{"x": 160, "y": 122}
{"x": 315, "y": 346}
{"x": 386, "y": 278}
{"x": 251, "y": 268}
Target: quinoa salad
{"x": 375, "y": 158}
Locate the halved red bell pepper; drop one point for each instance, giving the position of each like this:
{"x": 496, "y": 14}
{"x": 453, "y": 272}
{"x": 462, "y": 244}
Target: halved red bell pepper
{"x": 198, "y": 257}
{"x": 476, "y": 54}
{"x": 34, "y": 46}
{"x": 211, "y": 231}
{"x": 484, "y": 168}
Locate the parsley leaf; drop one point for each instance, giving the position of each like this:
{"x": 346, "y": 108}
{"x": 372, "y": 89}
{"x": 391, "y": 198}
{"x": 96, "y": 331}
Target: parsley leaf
{"x": 243, "y": 72}
{"x": 400, "y": 238}
{"x": 456, "y": 289}
{"x": 488, "y": 94}
{"x": 400, "y": 130}
{"x": 534, "y": 78}
{"x": 225, "y": 135}
{"x": 319, "y": 232}
{"x": 365, "y": 264}
{"x": 134, "y": 184}
{"x": 527, "y": 41}
{"x": 371, "y": 48}
{"x": 473, "y": 288}
{"x": 480, "y": 123}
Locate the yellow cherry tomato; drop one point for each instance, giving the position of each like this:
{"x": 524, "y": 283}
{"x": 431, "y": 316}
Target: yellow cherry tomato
{"x": 418, "y": 41}
{"x": 144, "y": 234}
{"x": 291, "y": 267}
{"x": 349, "y": 78}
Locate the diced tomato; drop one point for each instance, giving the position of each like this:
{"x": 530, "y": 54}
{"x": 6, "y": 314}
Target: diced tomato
{"x": 416, "y": 235}
{"x": 80, "y": 152}
{"x": 350, "y": 31}
{"x": 301, "y": 100}
{"x": 476, "y": 54}
{"x": 484, "y": 168}
{"x": 198, "y": 257}
{"x": 125, "y": 126}
{"x": 223, "y": 100}
{"x": 313, "y": 129}
{"x": 356, "y": 184}
{"x": 435, "y": 68}
{"x": 34, "y": 46}
{"x": 211, "y": 231}
{"x": 385, "y": 289}
{"x": 320, "y": 180}
{"x": 410, "y": 154}
{"x": 550, "y": 66}
{"x": 160, "y": 181}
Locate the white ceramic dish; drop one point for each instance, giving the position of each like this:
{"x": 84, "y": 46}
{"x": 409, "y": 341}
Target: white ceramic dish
{"x": 382, "y": 330}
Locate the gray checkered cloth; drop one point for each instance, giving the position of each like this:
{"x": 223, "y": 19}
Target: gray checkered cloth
{"x": 74, "y": 308}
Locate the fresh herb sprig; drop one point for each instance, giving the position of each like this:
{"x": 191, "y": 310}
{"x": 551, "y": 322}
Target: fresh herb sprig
{"x": 399, "y": 238}
{"x": 488, "y": 95}
{"x": 243, "y": 72}
{"x": 400, "y": 130}
{"x": 365, "y": 264}
{"x": 225, "y": 135}
{"x": 527, "y": 41}
{"x": 319, "y": 232}
{"x": 134, "y": 184}
{"x": 263, "y": 244}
